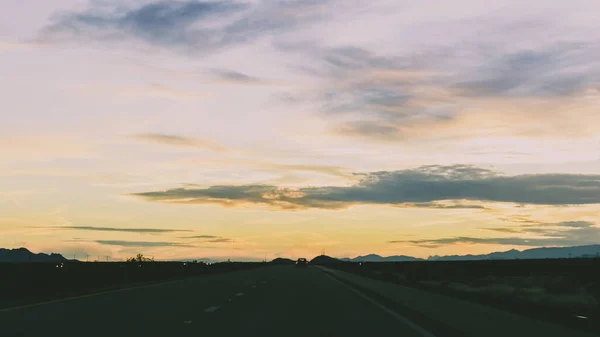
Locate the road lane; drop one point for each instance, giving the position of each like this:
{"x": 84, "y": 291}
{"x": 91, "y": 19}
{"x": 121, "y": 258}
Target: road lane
{"x": 299, "y": 302}
{"x": 276, "y": 301}
{"x": 146, "y": 311}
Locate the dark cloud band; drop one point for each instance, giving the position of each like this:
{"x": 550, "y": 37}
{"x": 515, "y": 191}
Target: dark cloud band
{"x": 130, "y": 230}
{"x": 568, "y": 233}
{"x": 140, "y": 243}
{"x": 422, "y": 185}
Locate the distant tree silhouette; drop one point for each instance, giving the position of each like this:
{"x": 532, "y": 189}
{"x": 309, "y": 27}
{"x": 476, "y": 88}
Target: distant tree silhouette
{"x": 140, "y": 258}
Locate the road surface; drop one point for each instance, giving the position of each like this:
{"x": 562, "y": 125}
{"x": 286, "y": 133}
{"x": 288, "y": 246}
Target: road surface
{"x": 270, "y": 301}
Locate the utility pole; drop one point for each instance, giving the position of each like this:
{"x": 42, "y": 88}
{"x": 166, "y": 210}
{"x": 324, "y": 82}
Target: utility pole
{"x": 87, "y": 257}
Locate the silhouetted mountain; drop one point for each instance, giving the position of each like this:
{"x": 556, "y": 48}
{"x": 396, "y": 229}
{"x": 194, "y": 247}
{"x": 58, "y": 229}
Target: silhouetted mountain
{"x": 324, "y": 260}
{"x": 377, "y": 258}
{"x": 281, "y": 260}
{"x": 534, "y": 253}
{"x": 24, "y": 255}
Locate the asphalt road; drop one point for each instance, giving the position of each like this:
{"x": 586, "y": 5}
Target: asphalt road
{"x": 270, "y": 301}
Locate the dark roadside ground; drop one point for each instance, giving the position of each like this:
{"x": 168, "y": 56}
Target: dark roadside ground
{"x": 27, "y": 283}
{"x": 561, "y": 291}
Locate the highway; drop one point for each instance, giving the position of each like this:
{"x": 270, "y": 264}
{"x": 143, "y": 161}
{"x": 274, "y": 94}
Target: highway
{"x": 270, "y": 301}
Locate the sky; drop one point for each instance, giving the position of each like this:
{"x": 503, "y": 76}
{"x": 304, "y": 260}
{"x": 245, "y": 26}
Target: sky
{"x": 259, "y": 129}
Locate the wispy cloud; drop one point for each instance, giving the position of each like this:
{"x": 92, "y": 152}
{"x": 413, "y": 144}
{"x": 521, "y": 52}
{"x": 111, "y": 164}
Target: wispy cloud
{"x": 162, "y": 23}
{"x": 140, "y": 243}
{"x": 502, "y": 229}
{"x": 220, "y": 240}
{"x": 179, "y": 141}
{"x": 161, "y": 91}
{"x": 11, "y": 45}
{"x": 201, "y": 237}
{"x": 116, "y": 229}
{"x": 230, "y": 76}
{"x": 333, "y": 170}
{"x": 422, "y": 185}
{"x": 194, "y": 26}
{"x": 439, "y": 205}
{"x": 209, "y": 238}
{"x": 568, "y": 233}
{"x": 447, "y": 90}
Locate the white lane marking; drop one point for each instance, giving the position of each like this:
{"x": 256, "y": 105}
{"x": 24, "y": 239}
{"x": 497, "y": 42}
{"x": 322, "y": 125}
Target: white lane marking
{"x": 263, "y": 282}
{"x": 239, "y": 294}
{"x": 187, "y": 322}
{"x": 253, "y": 286}
{"x": 582, "y": 317}
{"x": 403, "y": 319}
{"x": 211, "y": 309}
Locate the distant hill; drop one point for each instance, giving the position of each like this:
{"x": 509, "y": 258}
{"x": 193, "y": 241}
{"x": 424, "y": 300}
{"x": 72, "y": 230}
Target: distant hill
{"x": 534, "y": 253}
{"x": 324, "y": 260}
{"x": 377, "y": 258}
{"x": 24, "y": 255}
{"x": 281, "y": 260}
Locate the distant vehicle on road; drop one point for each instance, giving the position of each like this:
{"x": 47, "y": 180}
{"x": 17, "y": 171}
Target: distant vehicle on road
{"x": 302, "y": 262}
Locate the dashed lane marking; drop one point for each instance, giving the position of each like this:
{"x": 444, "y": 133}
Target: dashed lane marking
{"x": 211, "y": 309}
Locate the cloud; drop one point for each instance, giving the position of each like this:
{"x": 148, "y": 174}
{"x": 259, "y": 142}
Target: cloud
{"x": 161, "y": 22}
{"x": 473, "y": 85}
{"x": 13, "y": 45}
{"x": 332, "y": 170}
{"x": 422, "y": 185}
{"x": 371, "y": 129}
{"x": 140, "y": 243}
{"x": 567, "y": 233}
{"x": 551, "y": 235}
{"x": 541, "y": 72}
{"x": 200, "y": 237}
{"x": 577, "y": 224}
{"x": 193, "y": 26}
{"x": 161, "y": 91}
{"x": 503, "y": 229}
{"x": 129, "y": 230}
{"x": 441, "y": 205}
{"x": 179, "y": 141}
{"x": 209, "y": 238}
{"x": 220, "y": 240}
{"x": 230, "y": 76}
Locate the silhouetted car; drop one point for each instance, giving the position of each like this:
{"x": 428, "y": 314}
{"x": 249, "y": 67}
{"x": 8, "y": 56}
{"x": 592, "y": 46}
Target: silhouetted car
{"x": 302, "y": 262}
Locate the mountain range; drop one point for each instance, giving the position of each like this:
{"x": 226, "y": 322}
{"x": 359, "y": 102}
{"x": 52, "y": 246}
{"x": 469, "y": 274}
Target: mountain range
{"x": 533, "y": 253}
{"x": 24, "y": 255}
{"x": 377, "y": 258}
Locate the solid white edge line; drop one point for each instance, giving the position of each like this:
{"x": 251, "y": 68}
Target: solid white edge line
{"x": 399, "y": 317}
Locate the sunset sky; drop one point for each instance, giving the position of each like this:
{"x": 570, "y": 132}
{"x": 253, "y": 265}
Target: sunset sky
{"x": 245, "y": 129}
